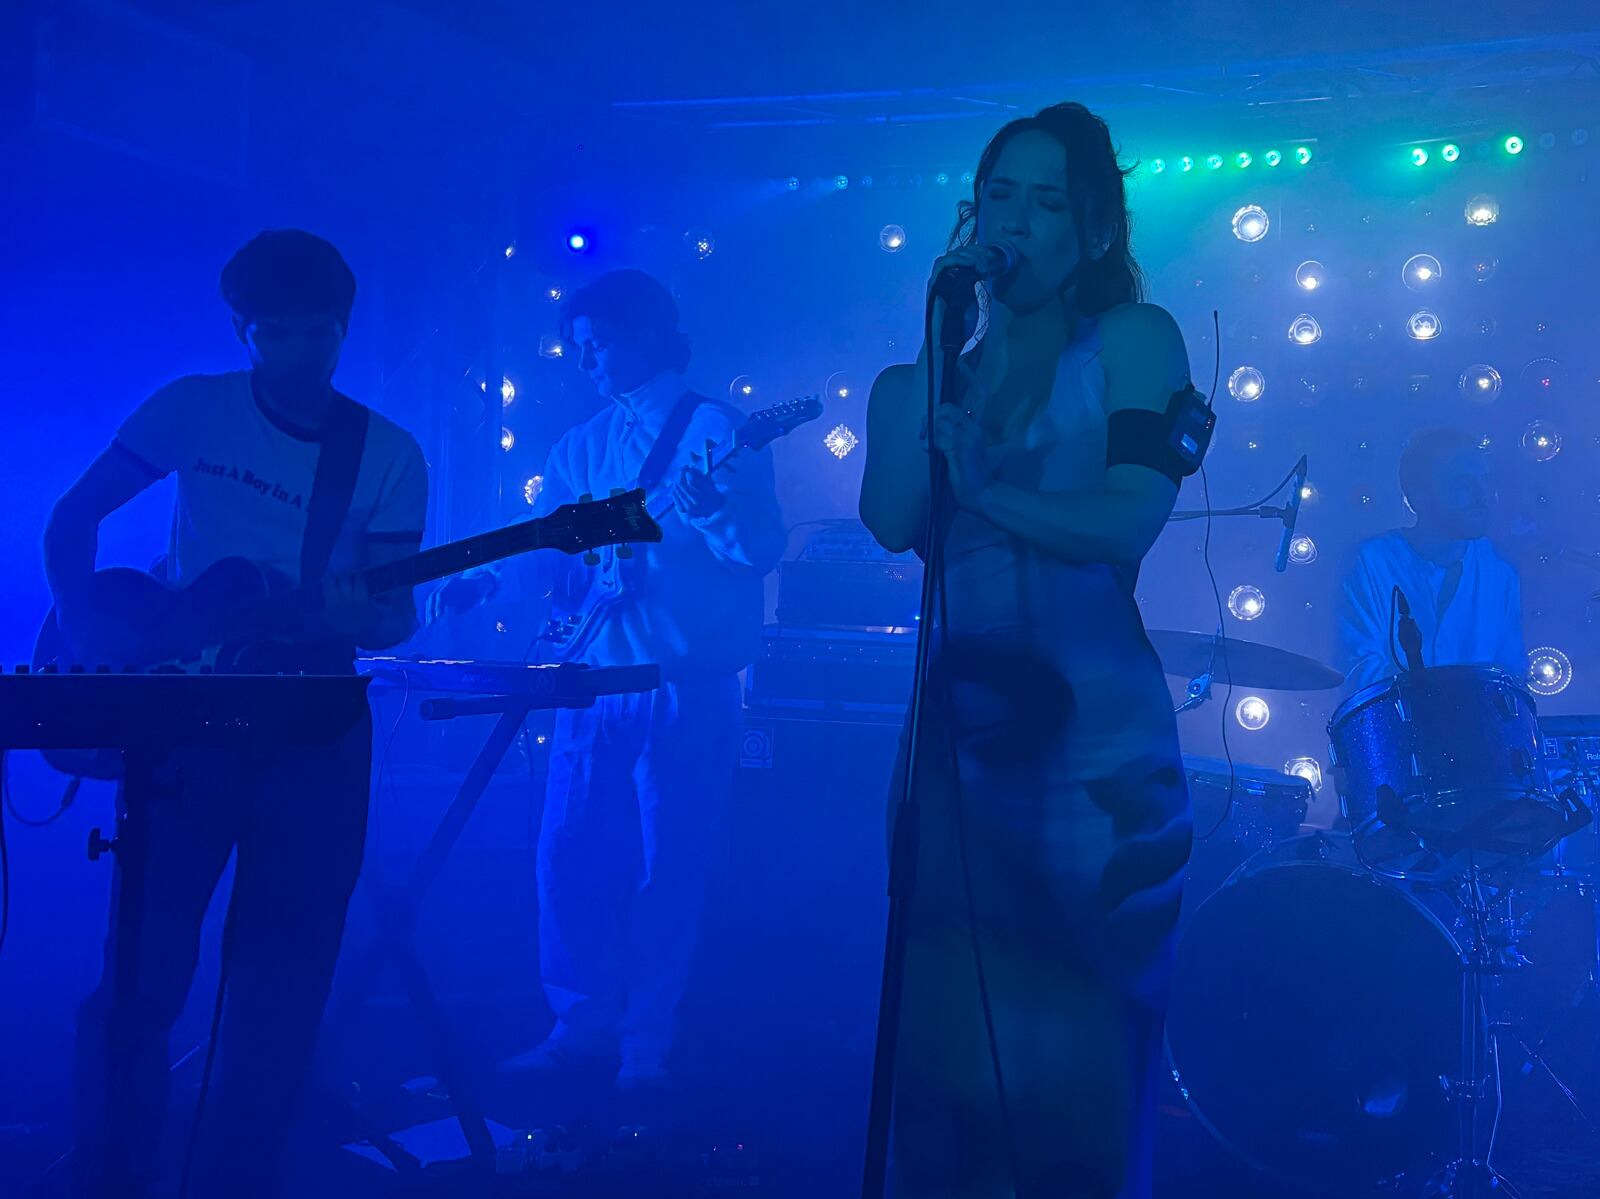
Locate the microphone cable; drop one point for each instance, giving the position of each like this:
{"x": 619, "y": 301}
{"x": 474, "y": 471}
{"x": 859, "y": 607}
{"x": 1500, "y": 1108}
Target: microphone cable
{"x": 1216, "y": 596}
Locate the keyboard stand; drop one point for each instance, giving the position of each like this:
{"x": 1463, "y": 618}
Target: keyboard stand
{"x": 397, "y": 907}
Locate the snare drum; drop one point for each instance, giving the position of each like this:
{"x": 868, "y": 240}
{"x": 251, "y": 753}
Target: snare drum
{"x": 1440, "y": 769}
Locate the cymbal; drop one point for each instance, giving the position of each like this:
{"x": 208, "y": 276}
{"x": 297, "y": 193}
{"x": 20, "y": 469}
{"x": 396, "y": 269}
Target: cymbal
{"x": 1249, "y": 663}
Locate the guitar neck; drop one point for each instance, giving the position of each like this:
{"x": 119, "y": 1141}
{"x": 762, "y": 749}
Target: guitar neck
{"x": 453, "y": 558}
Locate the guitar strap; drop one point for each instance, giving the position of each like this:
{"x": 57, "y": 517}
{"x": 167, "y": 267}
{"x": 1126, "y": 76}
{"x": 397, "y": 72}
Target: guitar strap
{"x": 344, "y": 437}
{"x": 655, "y": 462}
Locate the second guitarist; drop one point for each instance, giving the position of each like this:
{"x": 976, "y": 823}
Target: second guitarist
{"x": 637, "y": 781}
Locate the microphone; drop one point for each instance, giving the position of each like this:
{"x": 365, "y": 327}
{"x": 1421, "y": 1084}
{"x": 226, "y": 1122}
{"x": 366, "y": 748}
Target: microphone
{"x": 999, "y": 260}
{"x": 1410, "y": 634}
{"x": 1291, "y": 515}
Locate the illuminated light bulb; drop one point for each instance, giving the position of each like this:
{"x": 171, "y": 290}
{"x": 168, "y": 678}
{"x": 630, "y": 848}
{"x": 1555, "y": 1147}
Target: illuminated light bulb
{"x": 1157, "y": 165}
{"x": 1272, "y": 158}
{"x": 1250, "y": 224}
{"x": 1310, "y": 275}
{"x": 1186, "y": 163}
{"x": 1247, "y": 602}
{"x": 838, "y": 386}
{"x": 552, "y": 347}
{"x": 1424, "y": 325}
{"x": 701, "y": 244}
{"x": 1513, "y": 144}
{"x": 1421, "y": 272}
{"x": 1213, "y": 162}
{"x": 792, "y": 183}
{"x": 1419, "y": 156}
{"x": 1541, "y": 441}
{"x": 1480, "y": 383}
{"x": 1549, "y": 671}
{"x": 840, "y": 440}
{"x": 1482, "y": 210}
{"x": 507, "y": 438}
{"x": 554, "y": 292}
{"x": 1302, "y": 551}
{"x": 742, "y": 388}
{"x": 531, "y": 488}
{"x": 1304, "y": 330}
{"x": 892, "y": 238}
{"x": 1308, "y": 493}
{"x": 841, "y": 181}
{"x": 508, "y": 392}
{"x": 1252, "y": 713}
{"x": 1305, "y": 768}
{"x": 1247, "y": 384}
{"x": 942, "y": 179}
{"x": 1450, "y": 152}
{"x": 577, "y": 242}
{"x": 511, "y": 250}
{"x": 1302, "y": 155}
{"x": 1243, "y": 159}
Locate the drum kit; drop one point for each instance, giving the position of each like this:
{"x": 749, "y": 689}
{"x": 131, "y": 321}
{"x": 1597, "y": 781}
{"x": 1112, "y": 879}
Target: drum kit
{"x": 1337, "y": 1017}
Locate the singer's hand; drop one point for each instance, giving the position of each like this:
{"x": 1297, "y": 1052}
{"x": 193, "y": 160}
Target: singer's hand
{"x": 969, "y": 256}
{"x": 958, "y": 435}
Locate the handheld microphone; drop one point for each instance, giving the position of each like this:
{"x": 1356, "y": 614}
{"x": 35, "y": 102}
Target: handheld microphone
{"x": 1410, "y": 634}
{"x": 999, "y": 260}
{"x": 1291, "y": 515}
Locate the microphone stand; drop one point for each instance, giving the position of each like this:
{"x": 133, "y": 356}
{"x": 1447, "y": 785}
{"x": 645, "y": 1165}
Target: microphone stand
{"x": 1264, "y": 510}
{"x": 950, "y": 321}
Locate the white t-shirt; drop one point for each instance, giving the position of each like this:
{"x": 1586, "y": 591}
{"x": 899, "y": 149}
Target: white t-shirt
{"x": 244, "y": 480}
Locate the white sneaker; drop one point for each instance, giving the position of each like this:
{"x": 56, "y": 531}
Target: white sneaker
{"x": 562, "y": 1052}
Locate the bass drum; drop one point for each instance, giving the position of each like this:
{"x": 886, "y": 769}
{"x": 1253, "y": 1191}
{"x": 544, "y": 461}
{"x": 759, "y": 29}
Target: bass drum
{"x": 1315, "y": 1009}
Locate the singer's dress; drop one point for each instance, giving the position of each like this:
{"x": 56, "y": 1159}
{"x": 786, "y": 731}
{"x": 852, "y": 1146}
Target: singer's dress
{"x": 1077, "y": 831}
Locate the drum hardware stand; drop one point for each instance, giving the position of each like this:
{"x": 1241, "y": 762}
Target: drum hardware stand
{"x": 1199, "y": 689}
{"x": 1470, "y": 1176}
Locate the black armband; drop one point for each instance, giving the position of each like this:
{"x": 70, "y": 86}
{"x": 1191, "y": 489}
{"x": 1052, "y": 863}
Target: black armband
{"x": 1172, "y": 443}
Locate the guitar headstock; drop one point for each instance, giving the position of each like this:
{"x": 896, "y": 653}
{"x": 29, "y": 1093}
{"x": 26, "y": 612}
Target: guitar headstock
{"x": 766, "y": 426}
{"x": 588, "y": 524}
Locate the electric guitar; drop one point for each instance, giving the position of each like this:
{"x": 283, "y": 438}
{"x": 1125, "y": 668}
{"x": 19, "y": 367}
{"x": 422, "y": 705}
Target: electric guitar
{"x": 570, "y": 632}
{"x": 236, "y": 616}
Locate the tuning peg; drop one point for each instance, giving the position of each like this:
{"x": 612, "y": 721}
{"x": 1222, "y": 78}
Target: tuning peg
{"x": 591, "y": 559}
{"x": 624, "y": 551}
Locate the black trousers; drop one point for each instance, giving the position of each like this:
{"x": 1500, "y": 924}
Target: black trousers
{"x": 297, "y": 820}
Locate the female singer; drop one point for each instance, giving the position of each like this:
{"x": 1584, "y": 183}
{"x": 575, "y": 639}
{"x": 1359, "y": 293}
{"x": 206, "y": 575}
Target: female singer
{"x": 1055, "y": 820}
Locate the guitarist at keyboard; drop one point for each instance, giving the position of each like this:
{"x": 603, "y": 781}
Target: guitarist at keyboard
{"x": 274, "y": 467}
{"x": 636, "y": 781}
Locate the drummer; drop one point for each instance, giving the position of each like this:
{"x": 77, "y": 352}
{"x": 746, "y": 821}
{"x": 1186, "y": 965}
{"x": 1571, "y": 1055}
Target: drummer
{"x": 1465, "y": 598}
